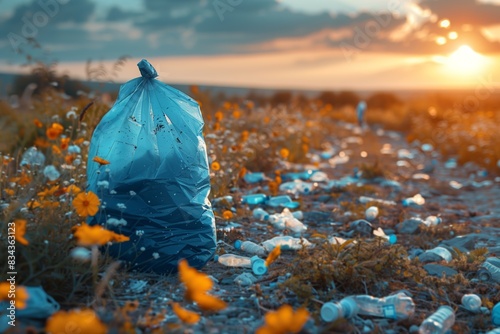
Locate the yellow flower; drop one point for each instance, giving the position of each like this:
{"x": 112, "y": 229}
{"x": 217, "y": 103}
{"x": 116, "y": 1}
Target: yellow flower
{"x": 215, "y": 166}
{"x": 100, "y": 160}
{"x": 86, "y": 204}
{"x": 273, "y": 255}
{"x": 20, "y": 231}
{"x": 284, "y": 152}
{"x": 75, "y": 321}
{"x": 186, "y": 316}
{"x": 19, "y": 295}
{"x": 96, "y": 235}
{"x": 227, "y": 215}
{"x": 283, "y": 321}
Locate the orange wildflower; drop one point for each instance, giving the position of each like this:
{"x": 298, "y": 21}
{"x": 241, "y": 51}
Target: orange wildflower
{"x": 197, "y": 284}
{"x": 273, "y": 255}
{"x": 96, "y": 235}
{"x": 65, "y": 143}
{"x": 236, "y": 114}
{"x": 72, "y": 189}
{"x": 284, "y": 152}
{"x": 85, "y": 321}
{"x": 189, "y": 317}
{"x": 69, "y": 158}
{"x": 215, "y": 166}
{"x": 219, "y": 116}
{"x": 227, "y": 215}
{"x": 48, "y": 192}
{"x": 283, "y": 321}
{"x": 56, "y": 149}
{"x": 23, "y": 179}
{"x": 217, "y": 126}
{"x": 9, "y": 191}
{"x": 54, "y": 131}
{"x": 244, "y": 135}
{"x": 21, "y": 231}
{"x": 21, "y": 294}
{"x": 37, "y": 123}
{"x": 41, "y": 143}
{"x": 86, "y": 204}
{"x": 100, "y": 160}
{"x": 242, "y": 172}
{"x": 227, "y": 105}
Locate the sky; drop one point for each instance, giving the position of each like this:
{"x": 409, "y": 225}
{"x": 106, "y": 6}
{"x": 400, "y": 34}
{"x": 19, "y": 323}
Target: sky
{"x": 313, "y": 44}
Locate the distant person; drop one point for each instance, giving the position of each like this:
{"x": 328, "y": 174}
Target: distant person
{"x": 360, "y": 112}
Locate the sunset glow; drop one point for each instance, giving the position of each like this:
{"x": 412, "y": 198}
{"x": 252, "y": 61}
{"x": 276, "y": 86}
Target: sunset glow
{"x": 465, "y": 60}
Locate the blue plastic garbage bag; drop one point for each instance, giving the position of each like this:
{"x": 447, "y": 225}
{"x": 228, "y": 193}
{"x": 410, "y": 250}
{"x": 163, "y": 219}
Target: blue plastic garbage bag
{"x": 155, "y": 188}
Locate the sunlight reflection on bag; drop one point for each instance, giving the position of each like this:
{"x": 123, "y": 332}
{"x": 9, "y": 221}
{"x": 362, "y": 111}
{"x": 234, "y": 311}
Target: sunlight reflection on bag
{"x": 157, "y": 179}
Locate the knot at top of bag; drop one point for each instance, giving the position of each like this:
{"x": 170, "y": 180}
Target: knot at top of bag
{"x": 147, "y": 70}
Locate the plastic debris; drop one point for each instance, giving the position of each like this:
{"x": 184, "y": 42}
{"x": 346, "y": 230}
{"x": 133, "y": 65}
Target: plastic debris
{"x": 260, "y": 214}
{"x": 254, "y": 199}
{"x": 286, "y": 220}
{"x": 398, "y": 306}
{"x": 442, "y": 252}
{"x": 283, "y": 201}
{"x": 346, "y": 308}
{"x": 490, "y": 270}
{"x": 416, "y": 200}
{"x": 392, "y": 238}
{"x": 472, "y": 302}
{"x": 250, "y": 247}
{"x": 254, "y": 177}
{"x": 153, "y": 139}
{"x": 432, "y": 221}
{"x": 366, "y": 199}
{"x": 296, "y": 187}
{"x": 286, "y": 243}
{"x": 371, "y": 213}
{"x": 439, "y": 322}
{"x": 257, "y": 264}
{"x": 495, "y": 315}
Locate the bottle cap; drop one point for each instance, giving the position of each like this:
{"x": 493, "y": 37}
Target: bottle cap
{"x": 349, "y": 307}
{"x": 330, "y": 312}
{"x": 237, "y": 244}
{"x": 392, "y": 239}
{"x": 258, "y": 266}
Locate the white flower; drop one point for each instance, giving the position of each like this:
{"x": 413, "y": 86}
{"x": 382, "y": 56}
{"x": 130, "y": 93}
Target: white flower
{"x": 156, "y": 255}
{"x": 80, "y": 253}
{"x": 112, "y": 192}
{"x": 132, "y": 193}
{"x": 51, "y": 172}
{"x": 116, "y": 222}
{"x": 121, "y": 206}
{"x": 142, "y": 249}
{"x": 103, "y": 184}
{"x": 139, "y": 232}
{"x": 74, "y": 149}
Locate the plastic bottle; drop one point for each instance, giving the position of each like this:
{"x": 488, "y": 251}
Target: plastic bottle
{"x": 284, "y": 201}
{"x": 287, "y": 220}
{"x": 472, "y": 302}
{"x": 296, "y": 187}
{"x": 257, "y": 264}
{"x": 495, "y": 315}
{"x": 432, "y": 221}
{"x": 286, "y": 243}
{"x": 438, "y": 322}
{"x": 250, "y": 247}
{"x": 371, "y": 213}
{"x": 442, "y": 252}
{"x": 298, "y": 214}
{"x": 366, "y": 199}
{"x": 398, "y": 306}
{"x": 490, "y": 270}
{"x": 254, "y": 177}
{"x": 415, "y": 200}
{"x": 260, "y": 214}
{"x": 346, "y": 308}
{"x": 254, "y": 199}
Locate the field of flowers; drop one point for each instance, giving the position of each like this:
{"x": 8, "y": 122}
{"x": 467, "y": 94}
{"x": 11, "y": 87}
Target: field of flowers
{"x": 43, "y": 199}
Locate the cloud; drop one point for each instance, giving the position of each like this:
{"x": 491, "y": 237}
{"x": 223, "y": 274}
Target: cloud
{"x": 461, "y": 12}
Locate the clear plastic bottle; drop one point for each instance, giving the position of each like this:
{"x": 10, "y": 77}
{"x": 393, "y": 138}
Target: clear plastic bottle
{"x": 286, "y": 243}
{"x": 439, "y": 322}
{"x": 296, "y": 187}
{"x": 254, "y": 199}
{"x": 346, "y": 308}
{"x": 442, "y": 252}
{"x": 415, "y": 200}
{"x": 254, "y": 177}
{"x": 490, "y": 270}
{"x": 257, "y": 264}
{"x": 432, "y": 221}
{"x": 472, "y": 302}
{"x": 495, "y": 315}
{"x": 283, "y": 200}
{"x": 260, "y": 214}
{"x": 398, "y": 306}
{"x": 250, "y": 247}
{"x": 287, "y": 220}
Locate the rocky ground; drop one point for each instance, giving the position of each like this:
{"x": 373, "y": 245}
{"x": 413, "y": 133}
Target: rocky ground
{"x": 466, "y": 200}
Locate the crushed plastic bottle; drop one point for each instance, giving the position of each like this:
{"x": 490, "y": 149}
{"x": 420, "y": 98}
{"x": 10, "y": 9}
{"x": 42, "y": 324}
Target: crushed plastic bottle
{"x": 305, "y": 175}
{"x": 319, "y": 176}
{"x": 260, "y": 214}
{"x": 346, "y": 308}
{"x": 442, "y": 252}
{"x": 254, "y": 177}
{"x": 472, "y": 302}
{"x": 286, "y": 220}
{"x": 296, "y": 187}
{"x": 490, "y": 270}
{"x": 366, "y": 199}
{"x": 495, "y": 315}
{"x": 254, "y": 199}
{"x": 257, "y": 264}
{"x": 283, "y": 201}
{"x": 398, "y": 306}
{"x": 371, "y": 213}
{"x": 417, "y": 200}
{"x": 439, "y": 322}
{"x": 433, "y": 221}
{"x": 286, "y": 243}
{"x": 250, "y": 247}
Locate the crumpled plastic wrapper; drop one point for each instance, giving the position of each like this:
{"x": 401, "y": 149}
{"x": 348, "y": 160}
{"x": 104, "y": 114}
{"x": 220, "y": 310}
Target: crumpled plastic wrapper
{"x": 157, "y": 181}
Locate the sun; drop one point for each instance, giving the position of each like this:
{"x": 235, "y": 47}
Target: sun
{"x": 465, "y": 60}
